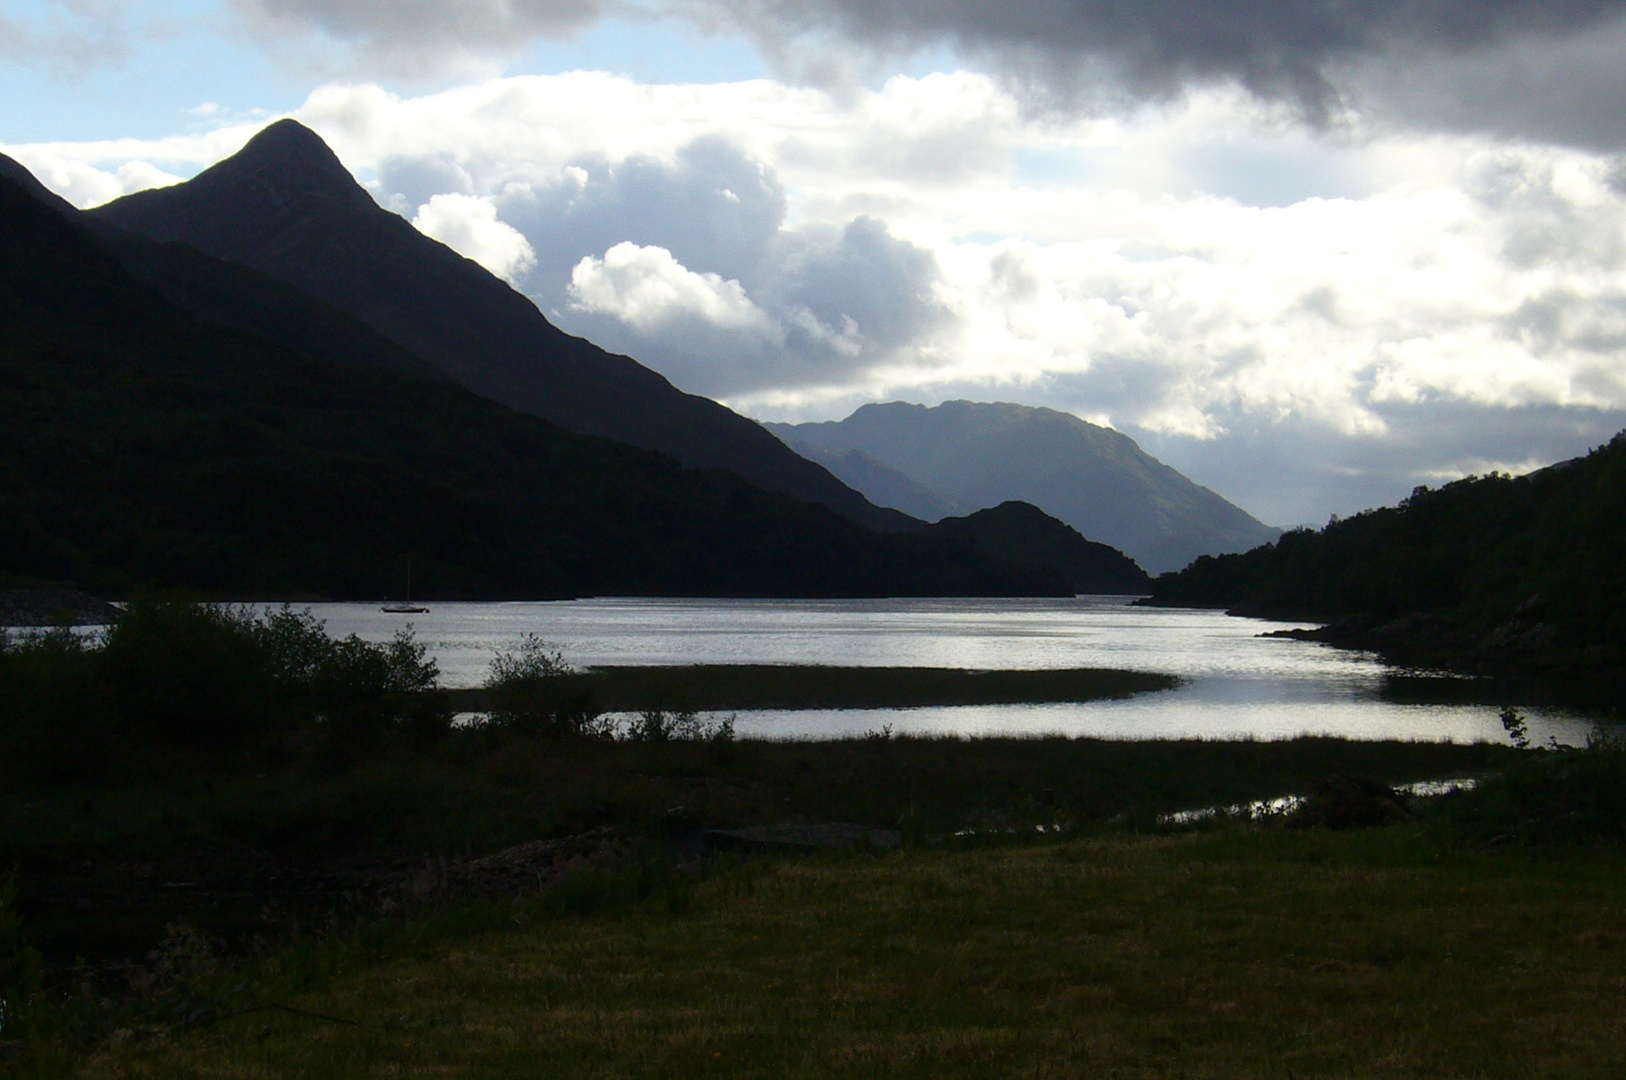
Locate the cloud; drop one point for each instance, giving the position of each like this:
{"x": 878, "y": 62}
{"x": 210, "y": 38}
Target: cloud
{"x": 468, "y": 225}
{"x": 419, "y": 38}
{"x": 1542, "y": 69}
{"x": 710, "y": 204}
{"x": 827, "y": 306}
{"x": 1273, "y": 47}
{"x": 1376, "y": 315}
{"x": 1298, "y": 472}
{"x": 649, "y": 290}
{"x": 68, "y": 37}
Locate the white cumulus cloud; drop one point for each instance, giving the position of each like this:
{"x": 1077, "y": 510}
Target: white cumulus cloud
{"x": 468, "y": 225}
{"x": 648, "y": 289}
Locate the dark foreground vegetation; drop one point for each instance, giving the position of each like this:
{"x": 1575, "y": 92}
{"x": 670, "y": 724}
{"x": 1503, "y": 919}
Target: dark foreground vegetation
{"x": 311, "y": 872}
{"x": 1496, "y": 574}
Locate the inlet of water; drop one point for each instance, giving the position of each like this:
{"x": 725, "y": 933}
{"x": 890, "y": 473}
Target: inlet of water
{"x": 1238, "y": 684}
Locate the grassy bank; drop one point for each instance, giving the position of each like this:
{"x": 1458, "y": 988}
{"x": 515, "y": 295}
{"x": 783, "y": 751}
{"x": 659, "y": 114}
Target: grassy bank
{"x": 721, "y": 687}
{"x": 1227, "y": 953}
{"x": 242, "y": 850}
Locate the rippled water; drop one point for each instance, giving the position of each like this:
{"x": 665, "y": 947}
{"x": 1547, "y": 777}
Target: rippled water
{"x": 1238, "y": 683}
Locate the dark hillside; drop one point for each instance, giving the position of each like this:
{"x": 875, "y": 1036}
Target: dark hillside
{"x": 1019, "y": 532}
{"x": 142, "y": 447}
{"x": 285, "y": 205}
{"x": 1494, "y": 573}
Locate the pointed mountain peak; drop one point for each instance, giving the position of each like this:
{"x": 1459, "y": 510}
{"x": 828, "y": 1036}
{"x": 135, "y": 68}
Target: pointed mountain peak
{"x": 289, "y": 159}
{"x": 288, "y": 138}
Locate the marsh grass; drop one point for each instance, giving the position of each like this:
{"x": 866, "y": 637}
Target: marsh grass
{"x": 1224, "y": 953}
{"x": 721, "y": 687}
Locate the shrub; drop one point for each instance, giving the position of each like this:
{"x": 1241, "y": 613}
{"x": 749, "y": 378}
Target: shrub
{"x": 177, "y": 676}
{"x": 364, "y": 692}
{"x": 57, "y": 722}
{"x": 190, "y": 676}
{"x": 532, "y": 692}
{"x": 1557, "y": 794}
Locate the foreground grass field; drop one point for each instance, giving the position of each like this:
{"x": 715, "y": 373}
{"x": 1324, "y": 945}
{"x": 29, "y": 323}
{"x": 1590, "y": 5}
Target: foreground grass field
{"x": 1234, "y": 952}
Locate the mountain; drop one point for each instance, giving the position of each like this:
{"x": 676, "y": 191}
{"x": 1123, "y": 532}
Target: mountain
{"x": 285, "y": 206}
{"x": 1021, "y": 533}
{"x": 1493, "y": 573}
{"x": 1093, "y": 478}
{"x": 230, "y": 293}
{"x": 142, "y": 446}
{"x": 882, "y": 484}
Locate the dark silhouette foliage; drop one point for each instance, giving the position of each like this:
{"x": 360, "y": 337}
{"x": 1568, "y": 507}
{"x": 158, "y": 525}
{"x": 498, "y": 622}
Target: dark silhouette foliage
{"x": 181, "y": 677}
{"x": 1526, "y": 572}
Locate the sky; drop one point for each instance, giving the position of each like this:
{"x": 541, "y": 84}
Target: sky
{"x": 1311, "y": 253}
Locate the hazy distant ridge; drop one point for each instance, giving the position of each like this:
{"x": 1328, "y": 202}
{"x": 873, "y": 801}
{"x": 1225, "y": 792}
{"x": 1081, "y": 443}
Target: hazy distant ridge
{"x": 1093, "y": 478}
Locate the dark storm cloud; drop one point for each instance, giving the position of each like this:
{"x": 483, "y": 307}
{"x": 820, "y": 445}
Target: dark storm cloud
{"x": 418, "y": 33}
{"x": 1541, "y": 69}
{"x": 1277, "y": 48}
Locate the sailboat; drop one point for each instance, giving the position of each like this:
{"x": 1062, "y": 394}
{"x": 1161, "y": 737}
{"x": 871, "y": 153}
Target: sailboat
{"x": 407, "y": 607}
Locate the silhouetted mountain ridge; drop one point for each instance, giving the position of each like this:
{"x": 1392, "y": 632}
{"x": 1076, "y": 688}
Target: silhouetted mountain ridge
{"x": 286, "y": 206}
{"x": 141, "y": 446}
{"x": 881, "y": 483}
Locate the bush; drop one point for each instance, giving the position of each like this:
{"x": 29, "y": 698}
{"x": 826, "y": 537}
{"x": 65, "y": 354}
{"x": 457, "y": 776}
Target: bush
{"x": 190, "y": 676}
{"x": 176, "y": 676}
{"x": 1557, "y": 794}
{"x": 532, "y": 693}
{"x": 57, "y": 721}
{"x": 363, "y": 692}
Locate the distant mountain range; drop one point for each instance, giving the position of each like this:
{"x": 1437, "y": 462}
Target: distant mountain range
{"x": 144, "y": 446}
{"x": 964, "y": 455}
{"x": 285, "y": 206}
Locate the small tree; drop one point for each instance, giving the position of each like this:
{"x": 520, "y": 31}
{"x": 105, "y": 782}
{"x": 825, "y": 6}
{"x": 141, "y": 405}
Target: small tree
{"x": 533, "y": 692}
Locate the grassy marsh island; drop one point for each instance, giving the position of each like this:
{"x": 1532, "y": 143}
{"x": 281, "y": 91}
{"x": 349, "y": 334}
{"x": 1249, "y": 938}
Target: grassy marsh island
{"x": 721, "y": 687}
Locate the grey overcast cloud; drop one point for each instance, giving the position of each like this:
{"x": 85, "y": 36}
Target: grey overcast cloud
{"x": 1311, "y": 254}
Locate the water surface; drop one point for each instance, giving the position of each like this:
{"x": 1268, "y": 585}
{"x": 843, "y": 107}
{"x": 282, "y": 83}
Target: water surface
{"x": 1238, "y": 684}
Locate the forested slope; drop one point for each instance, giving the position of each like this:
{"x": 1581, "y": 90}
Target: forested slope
{"x": 1494, "y": 572}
